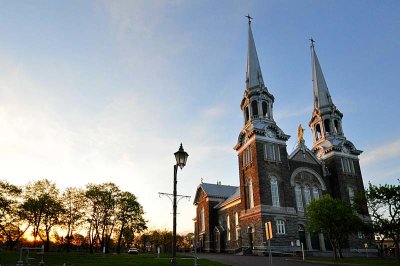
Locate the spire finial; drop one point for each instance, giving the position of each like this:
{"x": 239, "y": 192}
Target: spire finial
{"x": 249, "y": 18}
{"x": 312, "y": 41}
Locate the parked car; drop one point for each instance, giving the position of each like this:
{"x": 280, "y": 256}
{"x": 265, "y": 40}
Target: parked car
{"x": 134, "y": 251}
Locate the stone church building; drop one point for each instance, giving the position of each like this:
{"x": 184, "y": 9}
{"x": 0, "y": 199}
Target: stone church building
{"x": 274, "y": 185}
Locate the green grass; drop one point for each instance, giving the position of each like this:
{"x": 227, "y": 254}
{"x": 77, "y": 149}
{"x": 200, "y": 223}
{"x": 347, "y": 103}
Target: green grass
{"x": 69, "y": 259}
{"x": 361, "y": 261}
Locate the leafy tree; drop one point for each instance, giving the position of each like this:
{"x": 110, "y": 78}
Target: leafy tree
{"x": 12, "y": 220}
{"x": 334, "y": 218}
{"x": 101, "y": 213}
{"x": 43, "y": 208}
{"x": 73, "y": 200}
{"x": 129, "y": 217}
{"x": 384, "y": 205}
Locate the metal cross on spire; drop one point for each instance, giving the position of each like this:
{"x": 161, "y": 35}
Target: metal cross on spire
{"x": 312, "y": 42}
{"x": 250, "y": 18}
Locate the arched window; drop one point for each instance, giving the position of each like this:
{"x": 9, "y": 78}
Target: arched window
{"x": 299, "y": 198}
{"x": 337, "y": 128}
{"x": 250, "y": 194}
{"x": 274, "y": 191}
{"x": 246, "y": 114}
{"x": 228, "y": 227}
{"x": 265, "y": 109}
{"x": 317, "y": 132}
{"x": 202, "y": 222}
{"x": 351, "y": 194}
{"x": 327, "y": 126}
{"x": 254, "y": 108}
{"x": 307, "y": 195}
{"x": 315, "y": 193}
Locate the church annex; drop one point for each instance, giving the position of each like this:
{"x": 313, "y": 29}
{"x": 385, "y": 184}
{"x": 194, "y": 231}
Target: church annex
{"x": 274, "y": 185}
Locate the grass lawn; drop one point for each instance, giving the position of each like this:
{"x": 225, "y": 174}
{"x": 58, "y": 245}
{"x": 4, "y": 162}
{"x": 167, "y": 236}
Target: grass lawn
{"x": 361, "y": 261}
{"x": 69, "y": 259}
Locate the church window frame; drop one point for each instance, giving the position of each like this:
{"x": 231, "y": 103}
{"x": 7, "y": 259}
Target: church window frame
{"x": 299, "y": 198}
{"x": 280, "y": 227}
{"x": 351, "y": 195}
{"x": 247, "y": 156}
{"x": 327, "y": 126}
{"x": 237, "y": 228}
{"x": 274, "y": 191}
{"x": 202, "y": 220}
{"x": 315, "y": 193}
{"x": 347, "y": 166}
{"x": 228, "y": 227}
{"x": 264, "y": 107}
{"x": 271, "y": 151}
{"x": 254, "y": 109}
{"x": 246, "y": 115}
{"x": 307, "y": 195}
{"x": 249, "y": 196}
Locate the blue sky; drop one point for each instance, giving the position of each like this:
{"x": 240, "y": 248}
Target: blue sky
{"x": 96, "y": 91}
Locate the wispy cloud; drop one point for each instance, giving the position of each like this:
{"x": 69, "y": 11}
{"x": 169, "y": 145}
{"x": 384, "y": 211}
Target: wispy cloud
{"x": 382, "y": 153}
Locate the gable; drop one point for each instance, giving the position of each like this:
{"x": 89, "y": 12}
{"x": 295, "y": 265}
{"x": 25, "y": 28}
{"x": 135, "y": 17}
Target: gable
{"x": 304, "y": 155}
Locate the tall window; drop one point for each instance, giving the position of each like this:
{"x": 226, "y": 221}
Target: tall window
{"x": 351, "y": 194}
{"x": 271, "y": 151}
{"x": 228, "y": 227}
{"x": 247, "y": 156}
{"x": 315, "y": 193}
{"x": 280, "y": 227}
{"x": 251, "y": 200}
{"x": 254, "y": 108}
{"x": 299, "y": 198}
{"x": 237, "y": 225}
{"x": 274, "y": 191}
{"x": 348, "y": 165}
{"x": 307, "y": 195}
{"x": 265, "y": 109}
{"x": 202, "y": 223}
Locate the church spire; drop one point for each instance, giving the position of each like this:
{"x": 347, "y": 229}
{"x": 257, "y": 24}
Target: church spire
{"x": 253, "y": 71}
{"x": 322, "y": 98}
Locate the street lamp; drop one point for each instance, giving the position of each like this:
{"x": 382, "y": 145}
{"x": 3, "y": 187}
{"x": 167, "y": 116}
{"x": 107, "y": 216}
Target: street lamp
{"x": 181, "y": 158}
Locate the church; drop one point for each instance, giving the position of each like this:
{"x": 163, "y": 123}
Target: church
{"x": 276, "y": 186}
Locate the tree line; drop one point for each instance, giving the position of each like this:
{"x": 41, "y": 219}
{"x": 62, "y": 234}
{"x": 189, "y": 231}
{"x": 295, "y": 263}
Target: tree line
{"x": 96, "y": 217}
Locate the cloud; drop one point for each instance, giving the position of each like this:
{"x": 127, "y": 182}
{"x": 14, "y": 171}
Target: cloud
{"x": 292, "y": 112}
{"x": 382, "y": 153}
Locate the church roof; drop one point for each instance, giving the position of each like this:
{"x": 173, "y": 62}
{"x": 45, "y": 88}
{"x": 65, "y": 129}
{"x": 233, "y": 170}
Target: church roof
{"x": 232, "y": 197}
{"x": 253, "y": 71}
{"x": 322, "y": 98}
{"x": 215, "y": 191}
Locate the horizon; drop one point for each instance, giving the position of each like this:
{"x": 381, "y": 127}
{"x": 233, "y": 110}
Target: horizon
{"x": 106, "y": 91}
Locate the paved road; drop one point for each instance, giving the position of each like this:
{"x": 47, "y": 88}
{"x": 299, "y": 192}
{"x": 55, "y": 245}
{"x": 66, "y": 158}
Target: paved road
{"x": 234, "y": 260}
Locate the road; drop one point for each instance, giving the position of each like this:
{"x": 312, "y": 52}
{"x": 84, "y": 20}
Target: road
{"x": 235, "y": 260}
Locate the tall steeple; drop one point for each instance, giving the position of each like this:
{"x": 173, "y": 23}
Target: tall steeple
{"x": 326, "y": 121}
{"x": 257, "y": 103}
{"x": 253, "y": 72}
{"x": 322, "y": 98}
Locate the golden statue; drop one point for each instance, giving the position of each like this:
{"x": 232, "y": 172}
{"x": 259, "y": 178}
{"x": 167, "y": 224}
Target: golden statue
{"x": 300, "y": 133}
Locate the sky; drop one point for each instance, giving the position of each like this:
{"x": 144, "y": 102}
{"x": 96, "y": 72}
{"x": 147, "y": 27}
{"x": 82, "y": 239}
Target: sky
{"x": 99, "y": 91}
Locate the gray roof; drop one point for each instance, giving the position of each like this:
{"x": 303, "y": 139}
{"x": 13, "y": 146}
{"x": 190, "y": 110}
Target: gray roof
{"x": 322, "y": 98}
{"x": 219, "y": 191}
{"x": 235, "y": 195}
{"x": 215, "y": 190}
{"x": 253, "y": 72}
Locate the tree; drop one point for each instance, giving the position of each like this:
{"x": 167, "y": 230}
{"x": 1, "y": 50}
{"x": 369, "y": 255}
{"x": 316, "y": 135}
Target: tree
{"x": 384, "y": 205}
{"x": 43, "y": 208}
{"x": 12, "y": 220}
{"x": 334, "y": 218}
{"x": 129, "y": 217}
{"x": 101, "y": 213}
{"x": 73, "y": 200}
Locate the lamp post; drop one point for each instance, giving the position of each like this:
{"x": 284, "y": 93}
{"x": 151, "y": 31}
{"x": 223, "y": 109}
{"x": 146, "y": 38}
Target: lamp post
{"x": 181, "y": 158}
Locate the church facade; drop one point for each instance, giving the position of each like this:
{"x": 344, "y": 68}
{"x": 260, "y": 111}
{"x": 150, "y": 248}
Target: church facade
{"x": 274, "y": 185}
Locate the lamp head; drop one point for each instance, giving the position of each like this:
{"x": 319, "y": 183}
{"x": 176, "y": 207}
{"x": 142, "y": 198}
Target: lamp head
{"x": 181, "y": 157}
